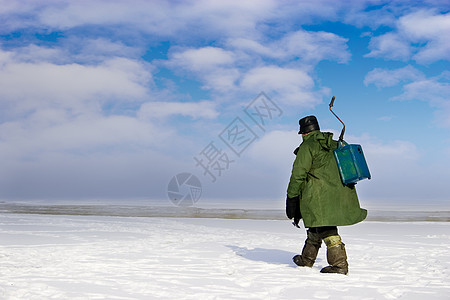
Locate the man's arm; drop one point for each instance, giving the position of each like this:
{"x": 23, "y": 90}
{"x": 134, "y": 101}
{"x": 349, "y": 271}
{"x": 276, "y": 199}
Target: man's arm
{"x": 300, "y": 169}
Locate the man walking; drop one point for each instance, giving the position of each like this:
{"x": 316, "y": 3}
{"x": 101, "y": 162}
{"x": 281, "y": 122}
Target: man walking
{"x": 317, "y": 195}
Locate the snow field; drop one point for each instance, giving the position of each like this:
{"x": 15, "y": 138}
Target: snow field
{"x": 80, "y": 257}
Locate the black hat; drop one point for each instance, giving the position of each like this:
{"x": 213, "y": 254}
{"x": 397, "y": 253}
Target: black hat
{"x": 308, "y": 124}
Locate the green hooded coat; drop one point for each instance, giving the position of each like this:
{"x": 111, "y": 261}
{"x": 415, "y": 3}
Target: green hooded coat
{"x": 324, "y": 199}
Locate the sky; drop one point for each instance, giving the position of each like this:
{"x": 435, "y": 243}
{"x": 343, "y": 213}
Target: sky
{"x": 114, "y": 100}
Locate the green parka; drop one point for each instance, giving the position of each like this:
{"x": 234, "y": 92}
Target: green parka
{"x": 324, "y": 199}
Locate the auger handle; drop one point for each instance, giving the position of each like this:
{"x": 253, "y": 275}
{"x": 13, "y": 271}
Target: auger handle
{"x": 341, "y": 137}
{"x": 332, "y": 102}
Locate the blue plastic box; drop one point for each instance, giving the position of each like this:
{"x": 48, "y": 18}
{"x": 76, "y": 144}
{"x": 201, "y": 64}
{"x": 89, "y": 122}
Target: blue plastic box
{"x": 351, "y": 163}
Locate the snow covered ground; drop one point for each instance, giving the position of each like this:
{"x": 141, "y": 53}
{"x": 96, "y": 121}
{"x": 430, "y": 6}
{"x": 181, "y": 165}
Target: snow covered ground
{"x": 101, "y": 257}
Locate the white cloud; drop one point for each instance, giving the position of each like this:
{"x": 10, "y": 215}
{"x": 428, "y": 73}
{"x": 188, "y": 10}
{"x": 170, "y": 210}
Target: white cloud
{"x": 200, "y": 59}
{"x": 393, "y": 166}
{"x": 274, "y": 77}
{"x": 70, "y": 14}
{"x": 52, "y": 155}
{"x": 433, "y": 90}
{"x": 159, "y": 18}
{"x": 275, "y": 150}
{"x": 162, "y": 18}
{"x": 202, "y": 109}
{"x": 390, "y": 46}
{"x": 71, "y": 50}
{"x": 34, "y": 54}
{"x": 387, "y": 153}
{"x": 220, "y": 69}
{"x": 87, "y": 133}
{"x": 387, "y": 78}
{"x": 308, "y": 46}
{"x": 9, "y": 6}
{"x": 255, "y": 47}
{"x": 71, "y": 86}
{"x": 63, "y": 112}
{"x": 429, "y": 89}
{"x": 97, "y": 50}
{"x": 421, "y": 27}
{"x": 358, "y": 14}
{"x": 416, "y": 86}
{"x": 53, "y": 130}
{"x": 425, "y": 26}
{"x": 294, "y": 86}
{"x": 229, "y": 18}
{"x": 316, "y": 46}
{"x": 213, "y": 66}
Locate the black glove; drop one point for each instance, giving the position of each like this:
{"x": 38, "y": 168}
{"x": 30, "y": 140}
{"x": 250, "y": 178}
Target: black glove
{"x": 293, "y": 208}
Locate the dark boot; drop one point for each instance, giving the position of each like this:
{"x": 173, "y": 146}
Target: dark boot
{"x": 336, "y": 256}
{"x": 309, "y": 252}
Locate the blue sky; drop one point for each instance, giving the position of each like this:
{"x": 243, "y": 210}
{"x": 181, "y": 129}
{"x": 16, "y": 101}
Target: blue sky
{"x": 111, "y": 99}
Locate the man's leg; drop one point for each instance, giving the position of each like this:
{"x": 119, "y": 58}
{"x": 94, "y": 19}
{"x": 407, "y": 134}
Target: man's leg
{"x": 336, "y": 254}
{"x": 310, "y": 249}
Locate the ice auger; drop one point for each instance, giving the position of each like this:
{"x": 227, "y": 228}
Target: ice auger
{"x": 350, "y": 158}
